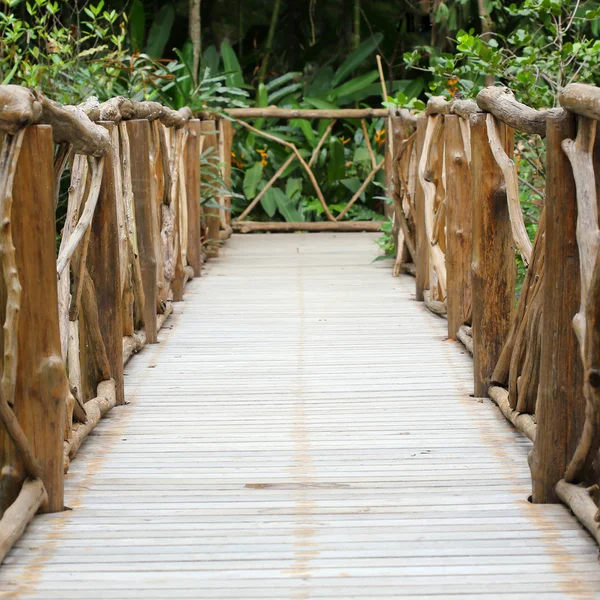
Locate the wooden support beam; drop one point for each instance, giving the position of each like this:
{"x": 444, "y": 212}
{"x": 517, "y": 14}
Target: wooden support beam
{"x": 103, "y": 255}
{"x": 304, "y": 113}
{"x": 493, "y": 260}
{"x": 41, "y": 382}
{"x": 560, "y": 402}
{"x": 422, "y": 242}
{"x": 144, "y": 199}
{"x": 255, "y": 226}
{"x": 226, "y": 133}
{"x": 211, "y": 213}
{"x": 458, "y": 224}
{"x": 192, "y": 180}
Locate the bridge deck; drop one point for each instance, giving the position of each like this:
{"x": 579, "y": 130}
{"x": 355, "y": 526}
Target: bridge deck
{"x": 302, "y": 431}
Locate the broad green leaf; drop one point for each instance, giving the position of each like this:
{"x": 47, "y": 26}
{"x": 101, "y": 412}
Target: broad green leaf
{"x": 287, "y": 207}
{"x": 252, "y": 178}
{"x": 233, "y": 71}
{"x": 137, "y": 25}
{"x": 355, "y": 85}
{"x": 321, "y": 104}
{"x": 262, "y": 96}
{"x": 356, "y": 59}
{"x": 321, "y": 84}
{"x": 361, "y": 154}
{"x": 283, "y": 92}
{"x": 211, "y": 60}
{"x": 268, "y": 202}
{"x": 293, "y": 188}
{"x": 307, "y": 130}
{"x": 336, "y": 168}
{"x": 160, "y": 31}
{"x": 353, "y": 185}
{"x": 279, "y": 81}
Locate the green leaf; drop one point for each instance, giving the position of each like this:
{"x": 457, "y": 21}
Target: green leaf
{"x": 320, "y": 104}
{"x": 307, "y": 130}
{"x": 293, "y": 188}
{"x": 233, "y": 71}
{"x": 160, "y": 31}
{"x": 137, "y": 25}
{"x": 252, "y": 178}
{"x": 336, "y": 168}
{"x": 283, "y": 92}
{"x": 268, "y": 202}
{"x": 211, "y": 60}
{"x": 361, "y": 154}
{"x": 262, "y": 96}
{"x": 279, "y": 81}
{"x": 355, "y": 85}
{"x": 356, "y": 58}
{"x": 287, "y": 207}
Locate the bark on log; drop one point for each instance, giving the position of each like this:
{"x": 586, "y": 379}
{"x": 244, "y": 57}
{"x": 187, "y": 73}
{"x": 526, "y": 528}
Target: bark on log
{"x": 95, "y": 409}
{"x": 581, "y": 99}
{"x": 437, "y": 105}
{"x": 286, "y": 113}
{"x": 524, "y": 423}
{"x": 41, "y": 383}
{"x": 254, "y": 226}
{"x": 421, "y": 240}
{"x": 19, "y": 107}
{"x": 458, "y": 223}
{"x": 501, "y": 102}
{"x": 493, "y": 261}
{"x": 464, "y": 108}
{"x": 103, "y": 255}
{"x": 192, "y": 174}
{"x": 465, "y": 338}
{"x": 560, "y": 403}
{"x": 144, "y": 199}
{"x": 18, "y": 515}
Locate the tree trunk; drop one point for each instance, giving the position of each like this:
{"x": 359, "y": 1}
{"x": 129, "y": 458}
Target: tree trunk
{"x": 196, "y": 35}
{"x": 265, "y": 62}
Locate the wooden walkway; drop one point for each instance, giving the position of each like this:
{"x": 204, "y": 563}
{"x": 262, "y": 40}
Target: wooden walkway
{"x": 302, "y": 430}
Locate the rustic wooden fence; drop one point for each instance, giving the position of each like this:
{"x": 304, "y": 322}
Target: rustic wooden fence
{"x": 459, "y": 225}
{"x": 135, "y": 232}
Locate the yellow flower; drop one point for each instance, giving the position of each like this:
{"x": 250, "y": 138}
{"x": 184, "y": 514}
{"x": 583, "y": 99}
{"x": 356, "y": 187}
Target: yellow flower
{"x": 380, "y": 136}
{"x": 344, "y": 140}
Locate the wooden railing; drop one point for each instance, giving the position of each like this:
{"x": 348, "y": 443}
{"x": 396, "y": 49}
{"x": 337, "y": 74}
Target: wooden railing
{"x": 459, "y": 226}
{"x": 135, "y": 232}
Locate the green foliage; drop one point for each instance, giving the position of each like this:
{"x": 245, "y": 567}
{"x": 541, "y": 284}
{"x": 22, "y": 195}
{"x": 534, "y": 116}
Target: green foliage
{"x": 160, "y": 31}
{"x": 549, "y": 44}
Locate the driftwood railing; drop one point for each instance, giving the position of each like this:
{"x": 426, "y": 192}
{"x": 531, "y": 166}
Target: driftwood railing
{"x": 459, "y": 225}
{"x": 135, "y": 232}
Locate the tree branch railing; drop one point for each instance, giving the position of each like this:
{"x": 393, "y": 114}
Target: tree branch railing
{"x": 135, "y": 233}
{"x": 539, "y": 361}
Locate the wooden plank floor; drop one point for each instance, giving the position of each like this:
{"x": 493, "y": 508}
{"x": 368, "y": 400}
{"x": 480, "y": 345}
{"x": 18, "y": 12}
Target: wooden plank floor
{"x": 302, "y": 431}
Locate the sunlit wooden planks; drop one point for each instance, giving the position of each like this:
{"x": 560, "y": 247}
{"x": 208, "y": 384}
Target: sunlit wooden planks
{"x": 302, "y": 431}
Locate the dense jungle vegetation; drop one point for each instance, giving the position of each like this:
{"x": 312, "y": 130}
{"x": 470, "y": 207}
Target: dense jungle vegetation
{"x": 305, "y": 53}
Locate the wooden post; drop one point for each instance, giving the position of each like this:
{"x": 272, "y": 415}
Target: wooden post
{"x": 211, "y": 213}
{"x": 41, "y": 384}
{"x": 103, "y": 255}
{"x": 422, "y": 241}
{"x": 192, "y": 182}
{"x": 226, "y": 133}
{"x": 458, "y": 224}
{"x": 560, "y": 405}
{"x": 144, "y": 199}
{"x": 493, "y": 259}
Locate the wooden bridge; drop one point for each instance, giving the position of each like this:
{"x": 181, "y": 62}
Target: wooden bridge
{"x": 313, "y": 436}
{"x": 301, "y": 425}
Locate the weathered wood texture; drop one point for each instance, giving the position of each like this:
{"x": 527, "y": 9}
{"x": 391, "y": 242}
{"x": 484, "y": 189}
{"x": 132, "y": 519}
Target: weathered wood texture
{"x": 226, "y": 132}
{"x": 41, "y": 384}
{"x": 493, "y": 260}
{"x": 103, "y": 256}
{"x": 458, "y": 223}
{"x": 421, "y": 241}
{"x": 212, "y": 214}
{"x": 315, "y": 469}
{"x": 144, "y": 199}
{"x": 192, "y": 180}
{"x": 560, "y": 404}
